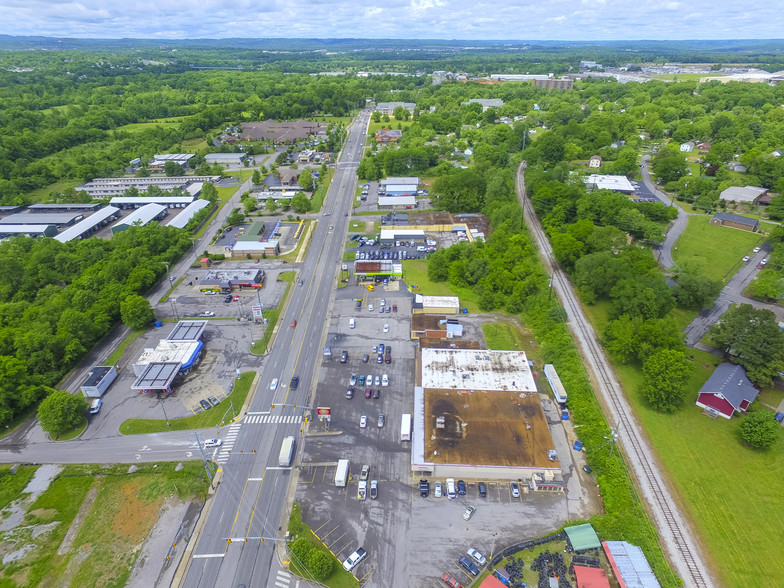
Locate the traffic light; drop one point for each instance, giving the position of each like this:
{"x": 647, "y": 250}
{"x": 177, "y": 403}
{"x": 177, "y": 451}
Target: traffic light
{"x": 272, "y": 406}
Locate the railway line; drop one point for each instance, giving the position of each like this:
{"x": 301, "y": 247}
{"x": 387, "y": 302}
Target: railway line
{"x": 676, "y": 534}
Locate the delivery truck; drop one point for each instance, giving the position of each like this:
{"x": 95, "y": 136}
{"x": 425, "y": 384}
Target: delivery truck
{"x": 286, "y": 451}
{"x": 341, "y": 473}
{"x": 405, "y": 428}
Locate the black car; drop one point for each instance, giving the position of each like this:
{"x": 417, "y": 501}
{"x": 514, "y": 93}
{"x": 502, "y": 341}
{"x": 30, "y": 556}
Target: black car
{"x": 205, "y": 405}
{"x": 376, "y": 393}
{"x": 350, "y": 392}
{"x": 468, "y": 565}
{"x": 388, "y": 358}
{"x": 482, "y": 489}
{"x": 365, "y": 358}
{"x": 344, "y": 357}
{"x": 294, "y": 383}
{"x": 228, "y": 298}
{"x": 424, "y": 488}
{"x": 461, "y": 487}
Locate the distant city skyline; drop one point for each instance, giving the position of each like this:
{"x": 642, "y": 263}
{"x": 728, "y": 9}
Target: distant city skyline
{"x": 583, "y": 20}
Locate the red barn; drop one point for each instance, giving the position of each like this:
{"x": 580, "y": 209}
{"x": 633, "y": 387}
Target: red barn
{"x": 727, "y": 390}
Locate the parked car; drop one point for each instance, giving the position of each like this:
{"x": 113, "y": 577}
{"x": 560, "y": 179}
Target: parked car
{"x": 353, "y": 379}
{"x": 344, "y": 357}
{"x": 373, "y": 489}
{"x": 424, "y": 488}
{"x": 381, "y": 420}
{"x": 476, "y": 556}
{"x": 438, "y": 490}
{"x": 388, "y": 358}
{"x": 362, "y": 422}
{"x": 515, "y": 489}
{"x": 236, "y": 297}
{"x": 745, "y": 258}
{"x": 381, "y": 348}
{"x": 228, "y": 298}
{"x": 361, "y": 380}
{"x": 205, "y": 405}
{"x": 380, "y": 358}
{"x": 756, "y": 250}
{"x": 376, "y": 393}
{"x": 368, "y": 393}
{"x": 384, "y": 380}
{"x": 370, "y": 307}
{"x": 214, "y": 401}
{"x": 386, "y": 327}
{"x": 468, "y": 565}
{"x": 212, "y": 443}
{"x": 461, "y": 487}
{"x": 350, "y": 392}
{"x": 365, "y": 472}
{"x": 354, "y": 559}
{"x": 482, "y": 489}
{"x": 469, "y": 512}
{"x": 365, "y": 358}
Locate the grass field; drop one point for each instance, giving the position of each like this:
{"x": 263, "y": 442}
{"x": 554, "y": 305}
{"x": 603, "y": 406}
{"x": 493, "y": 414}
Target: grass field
{"x": 339, "y": 578}
{"x": 201, "y": 420}
{"x": 42, "y": 194}
{"x": 415, "y": 272}
{"x": 392, "y": 125}
{"x": 11, "y": 485}
{"x": 688, "y": 77}
{"x": 716, "y": 250}
{"x": 317, "y": 201}
{"x": 707, "y": 463}
{"x": 172, "y": 123}
{"x": 106, "y": 545}
{"x": 272, "y": 315}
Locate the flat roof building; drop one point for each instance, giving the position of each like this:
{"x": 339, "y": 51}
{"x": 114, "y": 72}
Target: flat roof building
{"x": 477, "y": 414}
{"x": 487, "y": 103}
{"x": 182, "y": 159}
{"x": 184, "y": 217}
{"x": 401, "y": 190}
{"x": 126, "y": 202}
{"x": 108, "y": 187}
{"x": 225, "y": 158}
{"x": 388, "y": 108}
{"x": 256, "y": 248}
{"x": 35, "y": 231}
{"x": 232, "y": 279}
{"x": 614, "y": 183}
{"x": 185, "y": 354}
{"x": 436, "y": 304}
{"x": 404, "y": 180}
{"x": 66, "y": 207}
{"x": 156, "y": 377}
{"x": 380, "y": 268}
{"x": 389, "y": 236}
{"x": 187, "y": 331}
{"x": 90, "y": 225}
{"x": 404, "y": 202}
{"x": 10, "y": 209}
{"x": 140, "y": 217}
{"x": 630, "y": 565}
{"x": 60, "y": 219}
{"x": 749, "y": 194}
{"x": 98, "y": 381}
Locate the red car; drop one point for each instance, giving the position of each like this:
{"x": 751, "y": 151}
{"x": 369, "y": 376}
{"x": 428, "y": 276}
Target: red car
{"x": 451, "y": 581}
{"x": 236, "y": 297}
{"x": 293, "y": 323}
{"x": 368, "y": 392}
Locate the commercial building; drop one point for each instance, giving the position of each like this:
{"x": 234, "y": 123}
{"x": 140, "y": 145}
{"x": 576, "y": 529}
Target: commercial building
{"x": 184, "y": 217}
{"x": 156, "y": 378}
{"x": 127, "y": 202}
{"x": 179, "y": 353}
{"x": 159, "y": 161}
{"x": 745, "y": 194}
{"x": 140, "y": 217}
{"x": 10, "y": 209}
{"x": 389, "y": 236}
{"x": 629, "y": 564}
{"x": 615, "y": 183}
{"x": 35, "y": 231}
{"x": 388, "y": 135}
{"x": 232, "y": 279}
{"x": 67, "y": 207}
{"x": 269, "y": 248}
{"x": 108, "y": 187}
{"x": 554, "y": 83}
{"x": 383, "y": 268}
{"x": 400, "y": 180}
{"x": 90, "y": 225}
{"x": 59, "y": 219}
{"x": 436, "y": 304}
{"x": 477, "y": 415}
{"x": 187, "y": 331}
{"x": 399, "y": 202}
{"x": 487, "y": 103}
{"x": 225, "y": 158}
{"x": 736, "y": 221}
{"x": 98, "y": 380}
{"x": 425, "y": 326}
{"x": 388, "y": 108}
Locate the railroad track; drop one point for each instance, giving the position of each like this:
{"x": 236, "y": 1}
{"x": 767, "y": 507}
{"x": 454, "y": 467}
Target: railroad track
{"x": 673, "y": 529}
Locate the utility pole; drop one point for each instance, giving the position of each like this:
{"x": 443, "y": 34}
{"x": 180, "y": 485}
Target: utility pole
{"x": 204, "y": 458}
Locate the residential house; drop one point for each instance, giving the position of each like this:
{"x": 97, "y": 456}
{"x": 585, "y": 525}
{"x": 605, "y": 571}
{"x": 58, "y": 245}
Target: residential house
{"x": 776, "y": 153}
{"x": 725, "y": 219}
{"x": 735, "y": 166}
{"x": 727, "y": 390}
{"x": 687, "y": 147}
{"x": 617, "y": 144}
{"x": 703, "y": 147}
{"x": 388, "y": 136}
{"x": 595, "y": 161}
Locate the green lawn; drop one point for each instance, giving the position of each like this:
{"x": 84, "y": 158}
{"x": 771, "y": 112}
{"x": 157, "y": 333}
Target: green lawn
{"x": 272, "y": 315}
{"x": 201, "y": 420}
{"x": 136, "y": 127}
{"x": 708, "y": 465}
{"x": 61, "y": 187}
{"x": 716, "y": 250}
{"x": 392, "y": 125}
{"x": 118, "y": 353}
{"x": 415, "y": 272}
{"x": 501, "y": 336}
{"x": 317, "y": 201}
{"x": 339, "y": 578}
{"x": 11, "y": 485}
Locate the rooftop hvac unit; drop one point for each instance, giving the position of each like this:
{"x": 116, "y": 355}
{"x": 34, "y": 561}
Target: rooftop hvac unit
{"x": 440, "y": 422}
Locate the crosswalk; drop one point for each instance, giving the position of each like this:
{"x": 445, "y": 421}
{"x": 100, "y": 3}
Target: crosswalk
{"x": 283, "y": 580}
{"x": 228, "y": 442}
{"x": 272, "y": 419}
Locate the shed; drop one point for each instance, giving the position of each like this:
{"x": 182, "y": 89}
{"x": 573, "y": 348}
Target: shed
{"x": 582, "y": 537}
{"x": 629, "y": 564}
{"x": 726, "y": 391}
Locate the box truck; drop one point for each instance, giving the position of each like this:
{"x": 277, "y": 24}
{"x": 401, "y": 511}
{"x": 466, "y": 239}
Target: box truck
{"x": 341, "y": 474}
{"x": 286, "y": 451}
{"x": 405, "y": 428}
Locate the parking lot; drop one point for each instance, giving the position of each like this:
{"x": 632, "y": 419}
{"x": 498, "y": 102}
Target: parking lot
{"x": 406, "y": 536}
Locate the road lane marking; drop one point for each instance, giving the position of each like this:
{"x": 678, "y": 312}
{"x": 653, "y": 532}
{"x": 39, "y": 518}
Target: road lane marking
{"x": 255, "y": 504}
{"x": 207, "y": 555}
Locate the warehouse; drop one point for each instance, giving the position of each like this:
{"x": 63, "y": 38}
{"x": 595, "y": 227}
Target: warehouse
{"x": 477, "y": 415}
{"x": 90, "y": 225}
{"x": 232, "y": 279}
{"x": 59, "y": 219}
{"x": 614, "y": 183}
{"x": 159, "y": 161}
{"x": 98, "y": 381}
{"x": 140, "y": 217}
{"x": 225, "y": 158}
{"x": 127, "y": 202}
{"x": 66, "y": 207}
{"x": 34, "y": 231}
{"x": 182, "y": 219}
{"x": 436, "y": 304}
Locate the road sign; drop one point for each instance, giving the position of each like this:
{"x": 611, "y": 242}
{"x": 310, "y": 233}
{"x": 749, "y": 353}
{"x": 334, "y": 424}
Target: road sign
{"x": 323, "y": 411}
{"x": 256, "y": 312}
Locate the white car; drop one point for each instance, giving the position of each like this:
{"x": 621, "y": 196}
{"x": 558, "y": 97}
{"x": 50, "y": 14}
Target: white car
{"x": 363, "y": 422}
{"x": 386, "y": 328}
{"x": 476, "y": 556}
{"x": 383, "y": 302}
{"x": 274, "y": 384}
{"x": 746, "y": 258}
{"x": 212, "y": 443}
{"x": 515, "y": 489}
{"x": 370, "y": 307}
{"x": 764, "y": 261}
{"x": 756, "y": 250}
{"x": 439, "y": 490}
{"x": 385, "y": 380}
{"x": 354, "y": 559}
{"x": 378, "y": 381}
{"x": 469, "y": 512}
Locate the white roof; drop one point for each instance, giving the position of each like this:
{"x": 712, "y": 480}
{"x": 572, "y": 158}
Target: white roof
{"x": 477, "y": 369}
{"x": 174, "y": 157}
{"x": 396, "y": 201}
{"x": 400, "y": 180}
{"x": 392, "y": 233}
{"x": 169, "y": 351}
{"x": 412, "y": 188}
{"x": 742, "y": 194}
{"x": 254, "y": 245}
{"x": 237, "y": 157}
{"x": 144, "y": 215}
{"x": 24, "y": 229}
{"x": 151, "y": 200}
{"x": 437, "y": 301}
{"x": 617, "y": 183}
{"x": 85, "y": 225}
{"x": 194, "y": 189}
{"x": 187, "y": 214}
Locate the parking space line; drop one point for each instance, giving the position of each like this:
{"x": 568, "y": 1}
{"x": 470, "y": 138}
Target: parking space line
{"x": 332, "y": 530}
{"x": 317, "y": 529}
{"x": 338, "y": 539}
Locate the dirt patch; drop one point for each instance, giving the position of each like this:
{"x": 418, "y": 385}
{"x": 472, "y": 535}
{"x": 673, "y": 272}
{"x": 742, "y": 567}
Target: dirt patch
{"x": 43, "y": 513}
{"x": 133, "y": 515}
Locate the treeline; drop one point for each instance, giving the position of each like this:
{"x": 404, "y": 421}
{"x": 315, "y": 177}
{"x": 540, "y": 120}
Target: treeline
{"x": 58, "y": 299}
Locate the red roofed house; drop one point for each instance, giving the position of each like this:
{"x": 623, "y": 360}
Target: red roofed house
{"x": 727, "y": 390}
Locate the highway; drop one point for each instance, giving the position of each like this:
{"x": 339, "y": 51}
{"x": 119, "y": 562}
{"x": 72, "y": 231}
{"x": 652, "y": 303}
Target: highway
{"x": 252, "y": 494}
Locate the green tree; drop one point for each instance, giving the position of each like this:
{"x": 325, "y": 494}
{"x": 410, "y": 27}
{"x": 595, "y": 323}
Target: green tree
{"x": 305, "y": 180}
{"x": 61, "y": 412}
{"x": 256, "y": 177}
{"x": 173, "y": 169}
{"x": 376, "y": 116}
{"x": 301, "y": 549}
{"x": 209, "y": 192}
{"x": 759, "y": 429}
{"x": 767, "y": 285}
{"x": 300, "y": 203}
{"x": 752, "y": 338}
{"x": 136, "y": 312}
{"x": 320, "y": 564}
{"x": 271, "y": 205}
{"x": 696, "y": 292}
{"x": 235, "y": 218}
{"x": 666, "y": 374}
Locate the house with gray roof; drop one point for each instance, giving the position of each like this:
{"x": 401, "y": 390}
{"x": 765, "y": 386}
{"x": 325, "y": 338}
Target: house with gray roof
{"x": 736, "y": 221}
{"x": 726, "y": 391}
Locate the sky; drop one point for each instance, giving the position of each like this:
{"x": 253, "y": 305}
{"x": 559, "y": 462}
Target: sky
{"x": 586, "y": 20}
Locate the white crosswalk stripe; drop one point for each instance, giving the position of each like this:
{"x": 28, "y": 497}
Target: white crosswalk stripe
{"x": 228, "y": 442}
{"x": 270, "y": 419}
{"x": 282, "y": 579}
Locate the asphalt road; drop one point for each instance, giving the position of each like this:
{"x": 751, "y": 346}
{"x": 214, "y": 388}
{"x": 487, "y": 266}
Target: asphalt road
{"x": 253, "y": 490}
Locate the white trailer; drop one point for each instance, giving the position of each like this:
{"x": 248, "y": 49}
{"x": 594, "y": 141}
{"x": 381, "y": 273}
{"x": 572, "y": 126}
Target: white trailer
{"x": 341, "y": 474}
{"x": 405, "y": 428}
{"x": 559, "y": 392}
{"x": 287, "y": 451}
